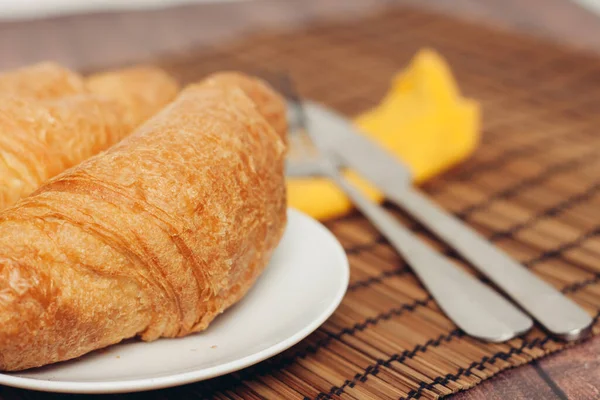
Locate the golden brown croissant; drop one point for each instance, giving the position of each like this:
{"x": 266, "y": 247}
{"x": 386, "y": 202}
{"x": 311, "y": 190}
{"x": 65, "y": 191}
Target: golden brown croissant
{"x": 267, "y": 104}
{"x": 39, "y": 139}
{"x": 45, "y": 80}
{"x": 140, "y": 91}
{"x": 155, "y": 237}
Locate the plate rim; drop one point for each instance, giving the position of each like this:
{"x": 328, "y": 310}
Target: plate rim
{"x": 183, "y": 378}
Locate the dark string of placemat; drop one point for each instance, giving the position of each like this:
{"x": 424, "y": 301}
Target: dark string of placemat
{"x": 571, "y": 288}
{"x": 511, "y": 191}
{"x": 505, "y": 158}
{"x": 400, "y": 358}
{"x": 415, "y": 394}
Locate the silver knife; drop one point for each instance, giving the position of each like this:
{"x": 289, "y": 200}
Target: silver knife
{"x": 557, "y": 313}
{"x": 474, "y": 307}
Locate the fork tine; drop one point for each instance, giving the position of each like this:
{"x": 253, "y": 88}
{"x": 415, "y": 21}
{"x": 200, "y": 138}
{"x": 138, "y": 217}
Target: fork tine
{"x": 283, "y": 83}
{"x": 302, "y": 150}
{"x": 301, "y": 146}
{"x": 290, "y": 90}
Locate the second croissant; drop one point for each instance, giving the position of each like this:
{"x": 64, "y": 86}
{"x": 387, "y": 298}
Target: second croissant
{"x": 56, "y": 121}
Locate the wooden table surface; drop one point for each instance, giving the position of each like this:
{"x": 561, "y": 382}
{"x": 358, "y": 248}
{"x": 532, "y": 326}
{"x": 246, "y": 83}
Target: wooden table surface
{"x": 97, "y": 41}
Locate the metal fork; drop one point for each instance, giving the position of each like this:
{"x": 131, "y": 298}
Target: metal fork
{"x": 473, "y": 306}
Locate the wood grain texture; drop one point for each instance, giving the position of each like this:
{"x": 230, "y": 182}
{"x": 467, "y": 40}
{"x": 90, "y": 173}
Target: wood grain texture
{"x": 518, "y": 384}
{"x": 530, "y": 188}
{"x": 576, "y": 372}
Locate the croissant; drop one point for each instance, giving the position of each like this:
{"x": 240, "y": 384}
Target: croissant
{"x": 45, "y": 80}
{"x": 267, "y": 102}
{"x": 39, "y": 139}
{"x": 153, "y": 238}
{"x": 139, "y": 91}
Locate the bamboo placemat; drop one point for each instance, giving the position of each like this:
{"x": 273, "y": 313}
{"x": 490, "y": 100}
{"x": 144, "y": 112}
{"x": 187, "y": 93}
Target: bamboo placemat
{"x": 532, "y": 188}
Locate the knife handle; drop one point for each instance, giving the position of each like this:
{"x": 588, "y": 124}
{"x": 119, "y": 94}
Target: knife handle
{"x": 557, "y": 313}
{"x": 474, "y": 307}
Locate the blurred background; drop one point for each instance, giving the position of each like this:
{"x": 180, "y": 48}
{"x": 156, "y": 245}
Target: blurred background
{"x": 14, "y": 9}
{"x": 98, "y": 33}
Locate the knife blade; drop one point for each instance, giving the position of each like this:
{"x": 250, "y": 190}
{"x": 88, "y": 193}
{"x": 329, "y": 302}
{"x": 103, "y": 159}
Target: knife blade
{"x": 558, "y": 314}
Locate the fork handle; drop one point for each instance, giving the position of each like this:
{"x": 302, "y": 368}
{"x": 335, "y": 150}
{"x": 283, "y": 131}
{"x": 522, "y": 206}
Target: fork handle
{"x": 474, "y": 307}
{"x": 557, "y": 313}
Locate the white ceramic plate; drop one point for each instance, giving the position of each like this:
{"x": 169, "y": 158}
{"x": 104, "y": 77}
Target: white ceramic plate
{"x": 302, "y": 286}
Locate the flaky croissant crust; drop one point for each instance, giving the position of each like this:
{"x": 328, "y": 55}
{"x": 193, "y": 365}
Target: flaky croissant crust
{"x": 40, "y": 138}
{"x": 154, "y": 238}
